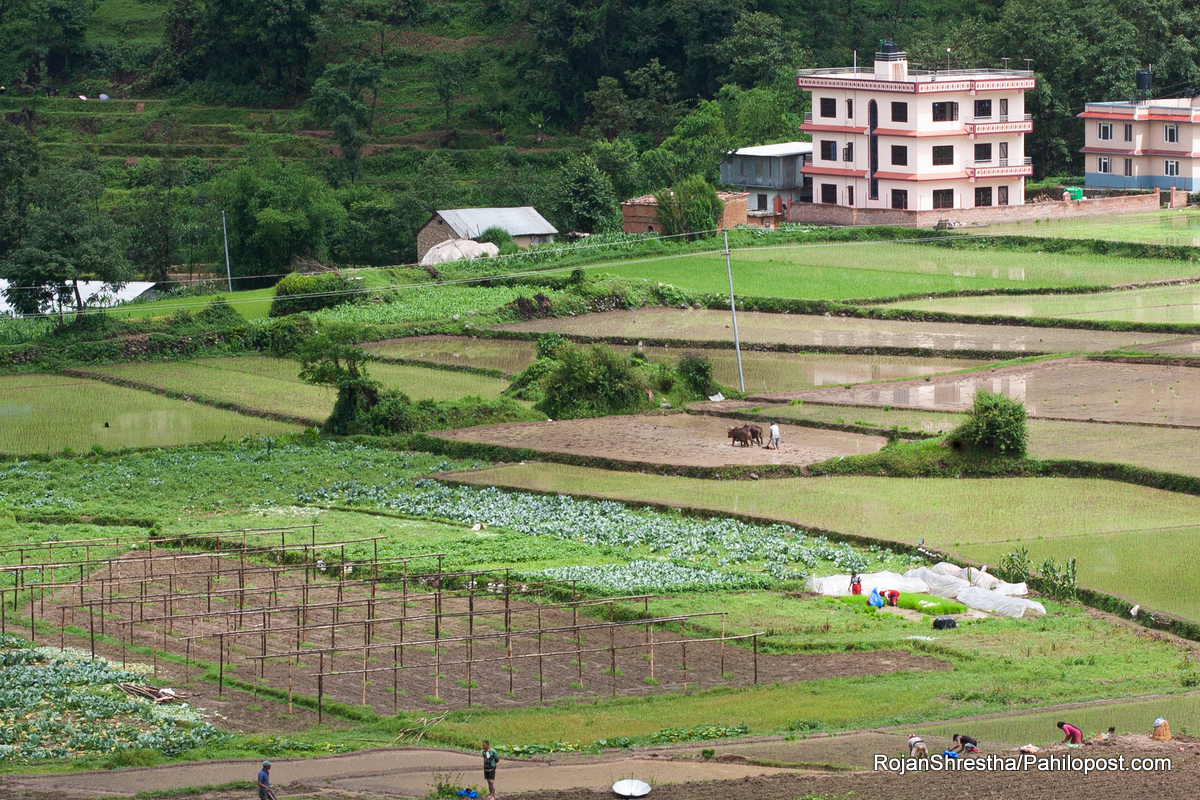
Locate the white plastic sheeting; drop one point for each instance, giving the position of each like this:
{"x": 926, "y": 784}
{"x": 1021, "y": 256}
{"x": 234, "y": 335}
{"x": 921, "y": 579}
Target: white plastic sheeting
{"x": 984, "y": 600}
{"x": 939, "y": 583}
{"x": 975, "y": 577}
{"x": 839, "y": 585}
{"x": 455, "y": 249}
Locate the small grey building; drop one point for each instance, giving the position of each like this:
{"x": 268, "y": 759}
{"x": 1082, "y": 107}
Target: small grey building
{"x": 524, "y": 224}
{"x": 768, "y": 172}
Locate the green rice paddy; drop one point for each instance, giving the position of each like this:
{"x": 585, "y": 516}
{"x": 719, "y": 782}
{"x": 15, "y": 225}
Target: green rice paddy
{"x": 885, "y": 269}
{"x": 253, "y": 304}
{"x": 1176, "y": 227}
{"x": 47, "y": 413}
{"x": 273, "y": 384}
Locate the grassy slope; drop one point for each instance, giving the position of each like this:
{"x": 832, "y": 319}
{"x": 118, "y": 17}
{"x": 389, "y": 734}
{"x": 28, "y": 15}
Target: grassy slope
{"x": 47, "y": 413}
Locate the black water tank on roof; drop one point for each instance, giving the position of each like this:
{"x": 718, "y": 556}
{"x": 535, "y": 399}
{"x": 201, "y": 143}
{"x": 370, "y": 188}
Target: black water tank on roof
{"x": 891, "y": 47}
{"x": 1144, "y": 80}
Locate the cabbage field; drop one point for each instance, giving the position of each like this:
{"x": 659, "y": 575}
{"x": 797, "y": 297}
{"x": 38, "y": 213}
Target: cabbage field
{"x": 62, "y": 704}
{"x": 716, "y": 553}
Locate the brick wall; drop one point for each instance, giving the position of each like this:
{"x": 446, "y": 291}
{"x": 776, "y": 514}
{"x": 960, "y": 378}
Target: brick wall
{"x": 432, "y": 233}
{"x": 822, "y": 214}
{"x": 735, "y": 210}
{"x": 640, "y": 217}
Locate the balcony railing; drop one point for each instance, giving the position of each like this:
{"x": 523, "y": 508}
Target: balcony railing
{"x": 984, "y": 162}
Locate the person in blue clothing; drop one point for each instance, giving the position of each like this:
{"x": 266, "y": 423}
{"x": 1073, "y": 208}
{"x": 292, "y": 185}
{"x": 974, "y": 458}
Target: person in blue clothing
{"x": 264, "y": 782}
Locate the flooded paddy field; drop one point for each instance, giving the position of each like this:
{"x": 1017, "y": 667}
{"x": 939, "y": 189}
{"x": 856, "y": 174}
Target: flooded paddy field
{"x": 1070, "y": 388}
{"x": 836, "y": 332}
{"x": 1178, "y": 304}
{"x": 763, "y": 370}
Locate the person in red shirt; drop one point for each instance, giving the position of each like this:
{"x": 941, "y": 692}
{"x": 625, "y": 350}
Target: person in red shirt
{"x": 891, "y": 596}
{"x": 1074, "y": 735}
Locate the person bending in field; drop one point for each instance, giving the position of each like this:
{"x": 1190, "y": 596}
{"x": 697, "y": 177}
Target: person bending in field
{"x": 1073, "y": 734}
{"x": 774, "y": 436}
{"x": 891, "y": 597}
{"x": 965, "y": 744}
{"x": 917, "y": 747}
{"x": 855, "y": 583}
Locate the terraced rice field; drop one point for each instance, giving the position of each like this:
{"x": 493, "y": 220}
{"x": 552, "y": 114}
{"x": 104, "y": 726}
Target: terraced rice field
{"x": 764, "y": 371}
{"x": 1177, "y": 304}
{"x": 1067, "y": 388}
{"x": 1130, "y": 547}
{"x": 46, "y": 413}
{"x": 1176, "y": 227}
{"x": 835, "y": 332}
{"x": 273, "y": 384}
{"x": 845, "y": 270}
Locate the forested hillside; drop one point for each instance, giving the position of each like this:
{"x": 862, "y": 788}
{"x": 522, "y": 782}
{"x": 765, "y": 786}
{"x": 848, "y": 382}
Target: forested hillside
{"x": 329, "y": 129}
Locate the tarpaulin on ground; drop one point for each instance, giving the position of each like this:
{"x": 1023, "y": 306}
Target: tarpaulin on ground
{"x": 939, "y": 584}
{"x": 984, "y": 600}
{"x": 839, "y": 585}
{"x": 979, "y": 578}
{"x": 454, "y": 249}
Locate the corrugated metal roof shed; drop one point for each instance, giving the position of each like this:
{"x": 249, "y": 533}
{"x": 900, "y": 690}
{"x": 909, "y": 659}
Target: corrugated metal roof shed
{"x": 468, "y": 223}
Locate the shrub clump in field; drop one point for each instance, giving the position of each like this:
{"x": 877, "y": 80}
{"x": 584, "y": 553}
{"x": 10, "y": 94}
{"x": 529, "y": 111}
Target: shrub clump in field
{"x": 592, "y": 383}
{"x": 299, "y": 292}
{"x": 696, "y": 370}
{"x": 995, "y": 424}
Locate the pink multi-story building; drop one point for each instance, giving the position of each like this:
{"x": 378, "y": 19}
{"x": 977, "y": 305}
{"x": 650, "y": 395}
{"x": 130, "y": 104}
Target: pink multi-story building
{"x": 891, "y": 137}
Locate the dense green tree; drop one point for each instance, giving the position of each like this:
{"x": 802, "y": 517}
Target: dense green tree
{"x": 697, "y": 146}
{"x": 276, "y": 213}
{"x": 654, "y": 108}
{"x": 65, "y": 239}
{"x": 759, "y": 46}
{"x": 350, "y": 89}
{"x": 611, "y": 114}
{"x": 618, "y": 159}
{"x": 266, "y": 42}
{"x": 690, "y": 208}
{"x": 350, "y": 143}
{"x": 18, "y": 165}
{"x": 584, "y": 200}
{"x": 452, "y": 74}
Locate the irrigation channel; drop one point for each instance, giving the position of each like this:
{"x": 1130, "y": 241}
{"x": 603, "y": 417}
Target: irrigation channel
{"x": 299, "y": 616}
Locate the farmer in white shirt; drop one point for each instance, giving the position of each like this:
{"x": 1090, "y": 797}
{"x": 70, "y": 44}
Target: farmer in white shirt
{"x": 774, "y": 436}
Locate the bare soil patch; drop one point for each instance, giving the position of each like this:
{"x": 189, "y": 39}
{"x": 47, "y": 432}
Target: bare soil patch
{"x": 1070, "y": 388}
{"x": 676, "y": 439}
{"x": 835, "y": 332}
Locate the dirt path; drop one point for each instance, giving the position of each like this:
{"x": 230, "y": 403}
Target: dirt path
{"x": 393, "y": 772}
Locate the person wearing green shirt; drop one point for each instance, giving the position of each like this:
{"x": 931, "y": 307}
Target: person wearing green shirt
{"x": 490, "y": 760}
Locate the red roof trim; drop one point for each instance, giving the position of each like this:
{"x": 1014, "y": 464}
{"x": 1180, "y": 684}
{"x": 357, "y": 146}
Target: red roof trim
{"x": 814, "y": 127}
{"x": 904, "y": 176}
{"x": 845, "y": 173}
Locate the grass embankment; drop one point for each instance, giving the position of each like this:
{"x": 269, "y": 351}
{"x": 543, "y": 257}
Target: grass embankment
{"x": 44, "y": 413}
{"x": 251, "y": 304}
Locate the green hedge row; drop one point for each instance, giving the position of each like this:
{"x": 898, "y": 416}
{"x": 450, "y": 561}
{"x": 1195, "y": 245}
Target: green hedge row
{"x": 1086, "y": 247}
{"x": 304, "y": 292}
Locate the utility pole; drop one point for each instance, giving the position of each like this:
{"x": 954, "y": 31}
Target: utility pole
{"x": 737, "y": 345}
{"x": 225, "y": 233}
